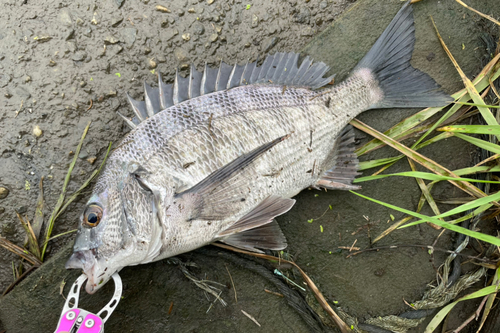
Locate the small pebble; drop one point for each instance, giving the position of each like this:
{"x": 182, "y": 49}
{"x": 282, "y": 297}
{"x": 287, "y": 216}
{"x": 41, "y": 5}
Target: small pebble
{"x": 92, "y": 159}
{"x": 37, "y": 131}
{"x": 4, "y": 192}
{"x": 152, "y": 64}
{"x": 213, "y": 37}
{"x": 162, "y": 9}
{"x": 186, "y": 36}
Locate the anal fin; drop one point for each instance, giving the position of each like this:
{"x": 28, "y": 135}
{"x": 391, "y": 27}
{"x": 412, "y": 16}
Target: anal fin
{"x": 268, "y": 237}
{"x": 345, "y": 169}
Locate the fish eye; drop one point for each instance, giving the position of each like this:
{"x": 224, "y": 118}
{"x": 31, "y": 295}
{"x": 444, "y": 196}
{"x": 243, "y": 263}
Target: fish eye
{"x": 92, "y": 215}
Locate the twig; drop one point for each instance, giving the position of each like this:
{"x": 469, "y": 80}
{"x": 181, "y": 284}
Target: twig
{"x": 20, "y": 108}
{"x": 390, "y": 247}
{"x": 13, "y": 284}
{"x": 91, "y": 103}
{"x": 474, "y": 315}
{"x": 170, "y": 308}
{"x": 350, "y": 248}
{"x": 478, "y": 12}
{"x": 274, "y": 293}
{"x": 251, "y": 318}
{"x": 232, "y": 282}
{"x": 19, "y": 251}
{"x": 319, "y": 296}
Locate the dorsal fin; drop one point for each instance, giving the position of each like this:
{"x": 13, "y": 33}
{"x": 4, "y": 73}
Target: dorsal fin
{"x": 278, "y": 68}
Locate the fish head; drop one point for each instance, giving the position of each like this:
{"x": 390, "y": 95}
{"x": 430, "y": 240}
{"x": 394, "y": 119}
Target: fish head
{"x": 119, "y": 227}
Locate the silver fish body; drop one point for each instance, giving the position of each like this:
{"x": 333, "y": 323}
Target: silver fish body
{"x": 221, "y": 166}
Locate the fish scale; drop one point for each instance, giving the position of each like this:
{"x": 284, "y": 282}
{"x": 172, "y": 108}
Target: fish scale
{"x": 218, "y": 155}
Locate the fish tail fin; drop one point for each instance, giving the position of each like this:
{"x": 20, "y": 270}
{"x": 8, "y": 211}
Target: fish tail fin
{"x": 395, "y": 82}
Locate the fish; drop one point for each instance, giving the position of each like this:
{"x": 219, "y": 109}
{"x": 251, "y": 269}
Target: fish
{"x": 218, "y": 155}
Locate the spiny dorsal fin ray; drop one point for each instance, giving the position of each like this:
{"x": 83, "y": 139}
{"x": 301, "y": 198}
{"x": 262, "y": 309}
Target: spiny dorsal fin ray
{"x": 181, "y": 88}
{"x": 267, "y": 237}
{"x": 345, "y": 169}
{"x": 194, "y": 82}
{"x": 166, "y": 92}
{"x": 279, "y": 68}
{"x": 223, "y": 193}
{"x": 152, "y": 99}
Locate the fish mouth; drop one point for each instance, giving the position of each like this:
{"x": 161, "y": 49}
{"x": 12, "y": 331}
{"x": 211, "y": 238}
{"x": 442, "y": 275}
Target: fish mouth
{"x": 86, "y": 261}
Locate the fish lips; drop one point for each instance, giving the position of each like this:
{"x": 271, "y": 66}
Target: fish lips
{"x": 86, "y": 261}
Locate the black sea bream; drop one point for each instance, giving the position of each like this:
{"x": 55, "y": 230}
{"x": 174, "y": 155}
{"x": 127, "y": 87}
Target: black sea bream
{"x": 218, "y": 155}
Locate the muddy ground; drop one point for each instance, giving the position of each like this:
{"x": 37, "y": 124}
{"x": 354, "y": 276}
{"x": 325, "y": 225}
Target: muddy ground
{"x": 58, "y": 56}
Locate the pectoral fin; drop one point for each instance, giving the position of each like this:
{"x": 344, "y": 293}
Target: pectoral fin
{"x": 223, "y": 192}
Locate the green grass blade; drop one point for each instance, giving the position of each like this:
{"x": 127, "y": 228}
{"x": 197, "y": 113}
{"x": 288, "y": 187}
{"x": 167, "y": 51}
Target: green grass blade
{"x": 483, "y": 237}
{"x": 491, "y": 299}
{"x": 426, "y": 192}
{"x": 494, "y": 148}
{"x": 375, "y": 163}
{"x": 476, "y": 170}
{"x": 481, "y": 105}
{"x": 84, "y": 185}
{"x": 60, "y": 201}
{"x": 465, "y": 207}
{"x": 471, "y": 89}
{"x": 439, "y": 317}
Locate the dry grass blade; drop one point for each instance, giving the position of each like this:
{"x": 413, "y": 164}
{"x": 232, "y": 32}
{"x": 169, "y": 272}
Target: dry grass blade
{"x": 19, "y": 251}
{"x": 427, "y": 194}
{"x": 32, "y": 241}
{"x": 251, "y": 318}
{"x": 424, "y": 161}
{"x": 491, "y": 299}
{"x": 399, "y": 223}
{"x": 478, "y": 12}
{"x": 319, "y": 296}
{"x": 60, "y": 201}
{"x": 38, "y": 220}
{"x": 491, "y": 158}
{"x": 485, "y": 112}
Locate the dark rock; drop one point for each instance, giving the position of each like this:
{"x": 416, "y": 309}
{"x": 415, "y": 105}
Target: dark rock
{"x": 116, "y": 21}
{"x": 129, "y": 35}
{"x": 4, "y": 80}
{"x": 22, "y": 93}
{"x": 65, "y": 18}
{"x": 198, "y": 28}
{"x": 70, "y": 34}
{"x": 303, "y": 15}
{"x": 119, "y": 3}
{"x": 22, "y": 209}
{"x": 79, "y": 56}
{"x": 111, "y": 40}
